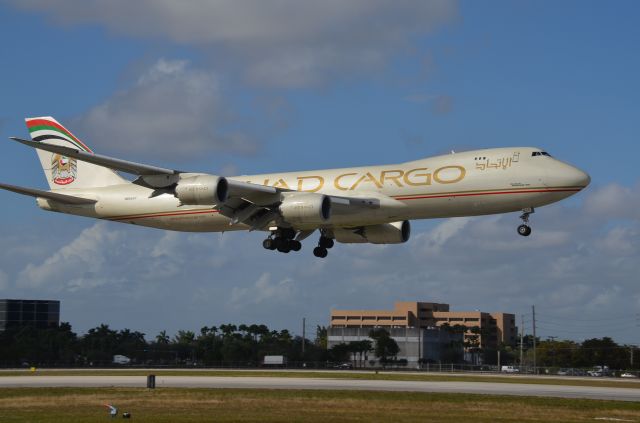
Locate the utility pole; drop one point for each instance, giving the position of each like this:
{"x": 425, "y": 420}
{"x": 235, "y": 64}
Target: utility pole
{"x": 535, "y": 364}
{"x": 521, "y": 338}
{"x": 304, "y": 330}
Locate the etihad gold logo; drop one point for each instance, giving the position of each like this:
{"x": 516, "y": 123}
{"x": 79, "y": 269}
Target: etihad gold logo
{"x": 351, "y": 181}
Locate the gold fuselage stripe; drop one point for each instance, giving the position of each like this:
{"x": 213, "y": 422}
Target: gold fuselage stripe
{"x": 488, "y": 192}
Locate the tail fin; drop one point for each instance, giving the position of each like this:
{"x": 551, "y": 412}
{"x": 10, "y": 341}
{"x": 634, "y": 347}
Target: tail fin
{"x": 64, "y": 172}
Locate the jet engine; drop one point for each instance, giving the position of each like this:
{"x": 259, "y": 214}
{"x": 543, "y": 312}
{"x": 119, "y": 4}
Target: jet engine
{"x": 306, "y": 208}
{"x": 386, "y": 233}
{"x": 202, "y": 190}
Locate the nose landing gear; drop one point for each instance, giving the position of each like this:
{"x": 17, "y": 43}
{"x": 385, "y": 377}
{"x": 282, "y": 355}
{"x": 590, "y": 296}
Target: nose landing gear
{"x": 525, "y": 229}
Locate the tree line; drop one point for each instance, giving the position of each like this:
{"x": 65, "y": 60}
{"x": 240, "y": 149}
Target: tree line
{"x": 239, "y": 345}
{"x": 246, "y": 345}
{"x": 227, "y": 345}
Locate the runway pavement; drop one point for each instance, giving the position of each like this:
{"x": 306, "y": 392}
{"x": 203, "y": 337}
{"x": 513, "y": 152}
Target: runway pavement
{"x": 488, "y": 388}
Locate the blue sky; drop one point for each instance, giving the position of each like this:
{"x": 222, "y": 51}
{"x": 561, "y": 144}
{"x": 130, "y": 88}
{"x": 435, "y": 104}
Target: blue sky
{"x": 251, "y": 88}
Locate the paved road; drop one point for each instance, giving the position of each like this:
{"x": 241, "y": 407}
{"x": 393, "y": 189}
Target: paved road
{"x": 489, "y": 388}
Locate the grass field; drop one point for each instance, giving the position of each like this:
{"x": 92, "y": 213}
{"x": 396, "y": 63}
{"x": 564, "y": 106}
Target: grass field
{"x": 597, "y": 382}
{"x": 240, "y": 405}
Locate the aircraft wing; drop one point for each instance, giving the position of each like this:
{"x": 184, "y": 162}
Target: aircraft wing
{"x": 61, "y": 198}
{"x": 258, "y": 206}
{"x": 100, "y": 160}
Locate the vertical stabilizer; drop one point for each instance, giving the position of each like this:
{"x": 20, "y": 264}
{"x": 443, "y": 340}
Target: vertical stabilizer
{"x": 63, "y": 172}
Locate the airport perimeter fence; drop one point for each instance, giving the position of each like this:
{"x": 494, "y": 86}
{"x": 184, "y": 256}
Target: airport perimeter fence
{"x": 329, "y": 366}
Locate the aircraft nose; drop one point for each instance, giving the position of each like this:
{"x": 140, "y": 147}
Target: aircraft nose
{"x": 565, "y": 175}
{"x": 579, "y": 177}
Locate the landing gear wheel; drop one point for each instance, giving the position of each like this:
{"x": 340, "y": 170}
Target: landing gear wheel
{"x": 524, "y": 230}
{"x": 325, "y": 242}
{"x": 320, "y": 252}
{"x": 282, "y": 239}
{"x": 284, "y": 247}
{"x": 269, "y": 244}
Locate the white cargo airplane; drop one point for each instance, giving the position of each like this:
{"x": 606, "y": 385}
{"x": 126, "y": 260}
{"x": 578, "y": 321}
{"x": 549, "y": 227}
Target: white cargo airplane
{"x": 371, "y": 204}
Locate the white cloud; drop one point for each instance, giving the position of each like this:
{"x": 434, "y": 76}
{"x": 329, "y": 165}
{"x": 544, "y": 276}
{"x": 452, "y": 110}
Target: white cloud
{"x": 434, "y": 240}
{"x": 621, "y": 241}
{"x": 607, "y": 298}
{"x": 264, "y": 291}
{"x": 172, "y": 110}
{"x": 78, "y": 265}
{"x": 284, "y": 43}
{"x": 615, "y": 201}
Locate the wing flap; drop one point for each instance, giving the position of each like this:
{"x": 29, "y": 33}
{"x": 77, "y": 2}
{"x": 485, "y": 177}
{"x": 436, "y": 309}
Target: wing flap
{"x": 60, "y": 198}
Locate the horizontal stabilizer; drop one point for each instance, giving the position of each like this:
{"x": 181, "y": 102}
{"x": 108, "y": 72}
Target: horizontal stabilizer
{"x": 100, "y": 160}
{"x": 60, "y": 198}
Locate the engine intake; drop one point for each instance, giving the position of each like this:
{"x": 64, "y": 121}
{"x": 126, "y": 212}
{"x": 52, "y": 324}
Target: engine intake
{"x": 306, "y": 208}
{"x": 202, "y": 190}
{"x": 386, "y": 233}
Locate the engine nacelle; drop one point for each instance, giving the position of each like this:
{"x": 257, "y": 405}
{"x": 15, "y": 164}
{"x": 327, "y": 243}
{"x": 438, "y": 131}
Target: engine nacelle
{"x": 386, "y": 233}
{"x": 306, "y": 208}
{"x": 202, "y": 190}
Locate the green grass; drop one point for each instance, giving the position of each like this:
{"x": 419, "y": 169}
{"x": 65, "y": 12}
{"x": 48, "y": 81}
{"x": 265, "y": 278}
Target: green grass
{"x": 249, "y": 405}
{"x": 597, "y": 382}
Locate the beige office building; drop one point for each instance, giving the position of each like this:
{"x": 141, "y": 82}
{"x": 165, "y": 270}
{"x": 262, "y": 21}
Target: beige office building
{"x": 484, "y": 330}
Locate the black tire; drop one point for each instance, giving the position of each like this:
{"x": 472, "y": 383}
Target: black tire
{"x": 524, "y": 230}
{"x": 320, "y": 252}
{"x": 284, "y": 247}
{"x": 295, "y": 245}
{"x": 269, "y": 244}
{"x": 326, "y": 242}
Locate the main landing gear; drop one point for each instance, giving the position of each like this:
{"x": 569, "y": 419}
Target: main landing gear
{"x": 324, "y": 244}
{"x": 282, "y": 240}
{"x": 525, "y": 229}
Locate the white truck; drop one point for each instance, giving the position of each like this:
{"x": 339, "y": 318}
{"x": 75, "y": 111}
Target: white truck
{"x": 510, "y": 369}
{"x": 121, "y": 359}
{"x": 274, "y": 360}
{"x": 599, "y": 371}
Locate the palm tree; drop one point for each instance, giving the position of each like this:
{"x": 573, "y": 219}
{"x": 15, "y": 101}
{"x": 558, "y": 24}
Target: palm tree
{"x": 228, "y": 329}
{"x": 162, "y": 338}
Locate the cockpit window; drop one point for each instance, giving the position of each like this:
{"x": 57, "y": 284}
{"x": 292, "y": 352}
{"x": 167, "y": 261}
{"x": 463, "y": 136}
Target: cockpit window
{"x": 540, "y": 153}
